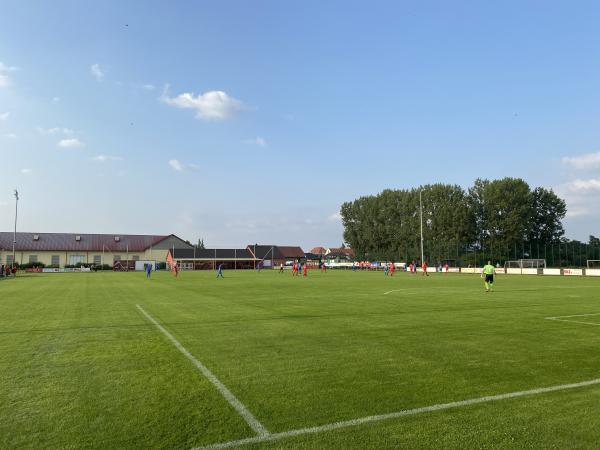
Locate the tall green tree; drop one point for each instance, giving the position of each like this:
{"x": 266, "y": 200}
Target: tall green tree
{"x": 502, "y": 210}
{"x": 499, "y": 215}
{"x": 548, "y": 211}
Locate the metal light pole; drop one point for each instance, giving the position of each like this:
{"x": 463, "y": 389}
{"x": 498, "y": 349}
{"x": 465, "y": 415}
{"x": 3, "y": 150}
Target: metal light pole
{"x": 421, "y": 213}
{"x": 15, "y": 233}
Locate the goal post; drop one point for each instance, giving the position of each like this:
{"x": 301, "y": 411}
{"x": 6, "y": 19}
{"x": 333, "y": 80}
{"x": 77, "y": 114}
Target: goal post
{"x": 526, "y": 264}
{"x": 593, "y": 263}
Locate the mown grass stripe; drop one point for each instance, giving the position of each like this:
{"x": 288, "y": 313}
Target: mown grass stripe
{"x": 395, "y": 415}
{"x": 225, "y": 392}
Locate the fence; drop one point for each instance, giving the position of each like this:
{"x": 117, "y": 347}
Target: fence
{"x": 564, "y": 254}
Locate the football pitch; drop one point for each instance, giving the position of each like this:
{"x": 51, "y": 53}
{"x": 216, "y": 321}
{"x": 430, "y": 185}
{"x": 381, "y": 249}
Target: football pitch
{"x": 267, "y": 360}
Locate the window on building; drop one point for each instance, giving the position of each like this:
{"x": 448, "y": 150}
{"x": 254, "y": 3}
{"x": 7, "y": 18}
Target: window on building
{"x": 55, "y": 260}
{"x": 33, "y": 258}
{"x": 76, "y": 259}
{"x": 117, "y": 258}
{"x": 9, "y": 260}
{"x": 97, "y": 260}
{"x": 136, "y": 257}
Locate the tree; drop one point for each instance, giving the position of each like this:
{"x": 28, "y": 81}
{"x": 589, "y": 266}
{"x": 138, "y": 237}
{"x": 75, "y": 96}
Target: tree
{"x": 502, "y": 210}
{"x": 498, "y": 216}
{"x": 594, "y": 241}
{"x": 548, "y": 210}
{"x": 200, "y": 244}
{"x": 386, "y": 226}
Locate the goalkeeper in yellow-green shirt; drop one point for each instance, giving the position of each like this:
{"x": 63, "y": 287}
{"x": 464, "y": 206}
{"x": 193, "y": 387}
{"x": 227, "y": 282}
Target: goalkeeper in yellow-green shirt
{"x": 488, "y": 273}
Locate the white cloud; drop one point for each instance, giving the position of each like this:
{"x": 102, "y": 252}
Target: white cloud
{"x": 148, "y": 87}
{"x": 11, "y": 136}
{"x": 261, "y": 142}
{"x": 26, "y": 171}
{"x": 56, "y": 130}
{"x": 176, "y": 165}
{"x": 577, "y": 211}
{"x": 582, "y": 197}
{"x": 104, "y": 158}
{"x": 335, "y": 217}
{"x": 97, "y": 72}
{"x": 4, "y": 116}
{"x": 71, "y": 143}
{"x": 181, "y": 167}
{"x": 587, "y": 161}
{"x": 583, "y": 186}
{"x": 210, "y": 105}
{"x": 3, "y": 204}
{"x": 5, "y": 80}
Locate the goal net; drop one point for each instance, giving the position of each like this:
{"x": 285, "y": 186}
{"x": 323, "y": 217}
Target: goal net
{"x": 593, "y": 263}
{"x": 526, "y": 264}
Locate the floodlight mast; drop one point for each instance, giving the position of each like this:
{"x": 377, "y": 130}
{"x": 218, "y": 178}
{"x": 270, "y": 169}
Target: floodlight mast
{"x": 15, "y": 232}
{"x": 421, "y": 214}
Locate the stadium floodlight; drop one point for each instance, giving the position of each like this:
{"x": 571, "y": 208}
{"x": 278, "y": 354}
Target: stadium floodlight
{"x": 593, "y": 263}
{"x": 15, "y": 233}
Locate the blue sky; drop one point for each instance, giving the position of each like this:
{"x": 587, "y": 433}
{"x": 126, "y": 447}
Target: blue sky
{"x": 244, "y": 122}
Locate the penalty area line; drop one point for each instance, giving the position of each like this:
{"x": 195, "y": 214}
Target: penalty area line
{"x": 568, "y": 319}
{"x": 573, "y": 315}
{"x": 400, "y": 290}
{"x": 225, "y": 392}
{"x": 395, "y": 415}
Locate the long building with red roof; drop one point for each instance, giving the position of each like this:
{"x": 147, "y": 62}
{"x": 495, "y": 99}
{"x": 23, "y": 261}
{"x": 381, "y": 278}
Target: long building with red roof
{"x": 62, "y": 249}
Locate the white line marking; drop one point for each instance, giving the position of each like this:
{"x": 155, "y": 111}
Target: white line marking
{"x": 594, "y": 324}
{"x": 232, "y": 399}
{"x": 407, "y": 412}
{"x": 566, "y": 319}
{"x": 400, "y": 290}
{"x": 574, "y": 315}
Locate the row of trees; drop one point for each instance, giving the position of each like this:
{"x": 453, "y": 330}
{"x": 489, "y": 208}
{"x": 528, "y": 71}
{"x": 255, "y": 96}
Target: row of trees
{"x": 498, "y": 214}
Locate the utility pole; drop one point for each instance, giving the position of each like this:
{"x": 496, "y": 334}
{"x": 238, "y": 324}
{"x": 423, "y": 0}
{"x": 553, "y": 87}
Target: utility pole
{"x": 421, "y": 214}
{"x": 15, "y": 233}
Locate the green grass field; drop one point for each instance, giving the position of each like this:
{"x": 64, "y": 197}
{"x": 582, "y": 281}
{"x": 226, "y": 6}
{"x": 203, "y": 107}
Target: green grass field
{"x": 82, "y": 367}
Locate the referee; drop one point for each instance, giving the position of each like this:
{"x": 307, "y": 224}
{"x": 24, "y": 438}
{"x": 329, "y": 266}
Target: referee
{"x": 488, "y": 273}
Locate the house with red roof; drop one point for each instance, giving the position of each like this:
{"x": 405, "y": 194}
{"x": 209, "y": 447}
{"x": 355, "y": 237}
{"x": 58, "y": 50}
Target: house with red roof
{"x": 64, "y": 249}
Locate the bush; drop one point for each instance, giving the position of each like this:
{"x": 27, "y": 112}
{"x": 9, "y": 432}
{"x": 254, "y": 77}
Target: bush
{"x": 32, "y": 265}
